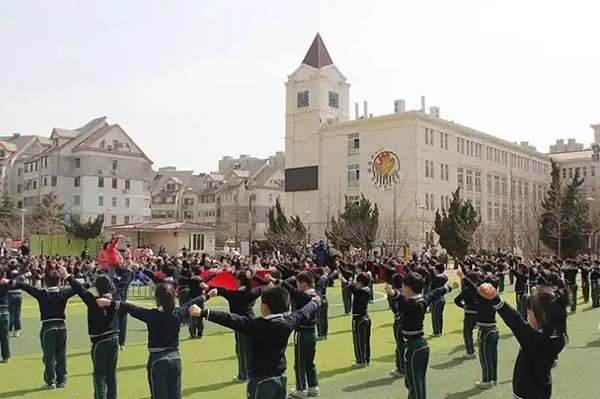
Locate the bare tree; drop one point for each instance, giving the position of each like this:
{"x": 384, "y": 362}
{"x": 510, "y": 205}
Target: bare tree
{"x": 529, "y": 230}
{"x": 396, "y": 227}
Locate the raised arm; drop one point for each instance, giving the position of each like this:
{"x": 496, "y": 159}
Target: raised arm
{"x": 87, "y": 297}
{"x": 459, "y": 300}
{"x": 181, "y": 311}
{"x": 303, "y": 315}
{"x": 136, "y": 312}
{"x": 437, "y": 293}
{"x": 30, "y": 289}
{"x": 150, "y": 274}
{"x": 229, "y": 320}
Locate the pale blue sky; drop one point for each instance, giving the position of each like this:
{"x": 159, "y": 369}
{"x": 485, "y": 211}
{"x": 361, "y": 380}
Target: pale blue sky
{"x": 194, "y": 80}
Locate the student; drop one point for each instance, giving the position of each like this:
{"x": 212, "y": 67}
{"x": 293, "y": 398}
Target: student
{"x": 4, "y": 318}
{"x": 346, "y": 294}
{"x": 570, "y": 275}
{"x": 501, "y": 273}
{"x": 437, "y": 279}
{"x": 594, "y": 282}
{"x": 585, "y": 281}
{"x": 467, "y": 300}
{"x": 396, "y": 307}
{"x": 322, "y": 281}
{"x": 361, "y": 322}
{"x": 268, "y": 336}
{"x": 541, "y": 338}
{"x": 103, "y": 329}
{"x": 305, "y": 336}
{"x": 163, "y": 323}
{"x": 196, "y": 325}
{"x": 521, "y": 274}
{"x": 414, "y": 305}
{"x": 121, "y": 294}
{"x": 15, "y": 302}
{"x": 241, "y": 302}
{"x": 53, "y": 333}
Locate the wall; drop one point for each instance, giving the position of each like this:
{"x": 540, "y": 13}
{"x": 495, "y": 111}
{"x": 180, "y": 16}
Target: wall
{"x": 62, "y": 245}
{"x": 173, "y": 243}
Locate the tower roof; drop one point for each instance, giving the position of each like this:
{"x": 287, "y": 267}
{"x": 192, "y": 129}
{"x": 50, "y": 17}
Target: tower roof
{"x": 317, "y": 55}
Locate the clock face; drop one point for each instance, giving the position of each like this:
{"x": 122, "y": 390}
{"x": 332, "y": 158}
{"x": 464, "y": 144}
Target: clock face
{"x": 334, "y": 100}
{"x": 303, "y": 99}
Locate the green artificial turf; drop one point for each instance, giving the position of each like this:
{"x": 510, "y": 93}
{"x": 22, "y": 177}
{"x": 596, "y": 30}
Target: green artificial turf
{"x": 209, "y": 364}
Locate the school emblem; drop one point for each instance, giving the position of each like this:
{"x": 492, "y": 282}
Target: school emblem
{"x": 384, "y": 169}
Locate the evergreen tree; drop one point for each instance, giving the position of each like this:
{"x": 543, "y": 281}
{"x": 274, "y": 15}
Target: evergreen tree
{"x": 564, "y": 221}
{"x": 357, "y": 226}
{"x": 10, "y": 225}
{"x": 285, "y": 235}
{"x": 456, "y": 226}
{"x": 86, "y": 230}
{"x": 48, "y": 215}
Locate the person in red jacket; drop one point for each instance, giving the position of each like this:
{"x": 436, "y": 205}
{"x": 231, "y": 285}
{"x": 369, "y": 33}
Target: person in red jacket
{"x": 110, "y": 256}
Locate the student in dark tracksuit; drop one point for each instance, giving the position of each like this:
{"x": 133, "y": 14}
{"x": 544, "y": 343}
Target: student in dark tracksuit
{"x": 570, "y": 274}
{"x": 398, "y": 337}
{"x": 103, "y": 328}
{"x": 268, "y": 337}
{"x": 585, "y": 282}
{"x": 121, "y": 293}
{"x": 163, "y": 323}
{"x": 196, "y": 325}
{"x": 416, "y": 353}
{"x": 183, "y": 293}
{"x": 322, "y": 281}
{"x": 241, "y": 302}
{"x": 521, "y": 274}
{"x": 533, "y": 276}
{"x": 467, "y": 300}
{"x": 437, "y": 279}
{"x": 361, "y": 322}
{"x": 542, "y": 336}
{"x": 305, "y": 336}
{"x": 501, "y": 270}
{"x": 4, "y": 318}
{"x": 594, "y": 282}
{"x": 346, "y": 294}
{"x": 53, "y": 334}
{"x": 488, "y": 338}
{"x": 15, "y": 302}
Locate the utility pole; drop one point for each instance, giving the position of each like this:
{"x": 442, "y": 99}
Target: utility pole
{"x": 249, "y": 188}
{"x": 237, "y": 222}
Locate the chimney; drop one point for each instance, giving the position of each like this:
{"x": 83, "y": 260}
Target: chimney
{"x": 366, "y": 110}
{"x": 16, "y": 135}
{"x": 434, "y": 111}
{"x": 399, "y": 106}
{"x": 596, "y": 134}
{"x": 355, "y": 110}
{"x": 422, "y": 103}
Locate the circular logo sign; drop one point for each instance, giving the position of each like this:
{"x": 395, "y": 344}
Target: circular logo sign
{"x": 384, "y": 169}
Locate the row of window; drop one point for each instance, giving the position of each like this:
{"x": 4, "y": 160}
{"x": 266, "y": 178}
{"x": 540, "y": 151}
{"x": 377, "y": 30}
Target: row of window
{"x": 35, "y": 165}
{"x": 581, "y": 170}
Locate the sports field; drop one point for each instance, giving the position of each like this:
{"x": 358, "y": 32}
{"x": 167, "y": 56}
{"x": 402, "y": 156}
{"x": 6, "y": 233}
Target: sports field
{"x": 209, "y": 364}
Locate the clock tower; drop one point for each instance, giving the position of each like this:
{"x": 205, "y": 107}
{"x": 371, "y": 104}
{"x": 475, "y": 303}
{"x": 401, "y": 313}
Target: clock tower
{"x": 317, "y": 96}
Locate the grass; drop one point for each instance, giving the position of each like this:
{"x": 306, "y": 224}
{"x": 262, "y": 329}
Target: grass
{"x": 210, "y": 363}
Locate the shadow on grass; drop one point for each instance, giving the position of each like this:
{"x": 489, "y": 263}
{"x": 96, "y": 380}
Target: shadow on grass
{"x": 223, "y": 359}
{"x": 207, "y": 388}
{"x": 371, "y": 384}
{"x": 590, "y": 308}
{"x": 385, "y": 359}
{"x": 388, "y": 325}
{"x": 120, "y": 369}
{"x": 340, "y": 332}
{"x": 457, "y": 349}
{"x": 332, "y": 373}
{"x": 16, "y": 394}
{"x": 469, "y": 393}
{"x": 455, "y": 361}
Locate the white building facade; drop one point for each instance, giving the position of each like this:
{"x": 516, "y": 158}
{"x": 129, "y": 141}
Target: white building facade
{"x": 408, "y": 162}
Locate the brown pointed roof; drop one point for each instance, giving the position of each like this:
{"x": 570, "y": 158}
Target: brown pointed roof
{"x": 317, "y": 55}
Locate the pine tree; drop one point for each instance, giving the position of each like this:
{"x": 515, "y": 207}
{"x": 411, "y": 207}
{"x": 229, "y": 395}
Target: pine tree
{"x": 285, "y": 235}
{"x": 456, "y": 226}
{"x": 357, "y": 226}
{"x": 86, "y": 230}
{"x": 10, "y": 225}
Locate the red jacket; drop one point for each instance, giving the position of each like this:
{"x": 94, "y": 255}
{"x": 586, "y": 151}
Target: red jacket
{"x": 110, "y": 256}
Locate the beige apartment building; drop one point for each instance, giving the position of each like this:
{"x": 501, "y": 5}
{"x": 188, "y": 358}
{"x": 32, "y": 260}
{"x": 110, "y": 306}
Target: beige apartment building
{"x": 408, "y": 162}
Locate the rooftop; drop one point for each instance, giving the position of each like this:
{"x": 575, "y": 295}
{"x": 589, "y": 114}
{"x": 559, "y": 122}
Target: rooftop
{"x": 317, "y": 55}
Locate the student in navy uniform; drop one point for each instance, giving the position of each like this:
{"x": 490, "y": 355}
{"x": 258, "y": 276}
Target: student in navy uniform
{"x": 570, "y": 275}
{"x": 121, "y": 294}
{"x": 414, "y": 305}
{"x": 322, "y": 281}
{"x": 437, "y": 279}
{"x": 361, "y": 322}
{"x": 595, "y": 285}
{"x": 305, "y": 336}
{"x": 195, "y": 324}
{"x": 103, "y": 328}
{"x": 53, "y": 334}
{"x": 585, "y": 281}
{"x": 163, "y": 323}
{"x": 15, "y": 301}
{"x": 501, "y": 273}
{"x": 541, "y": 338}
{"x": 398, "y": 337}
{"x": 533, "y": 276}
{"x": 268, "y": 337}
{"x": 467, "y": 300}
{"x": 521, "y": 274}
{"x": 488, "y": 336}
{"x": 346, "y": 294}
{"x": 241, "y": 302}
{"x": 4, "y": 317}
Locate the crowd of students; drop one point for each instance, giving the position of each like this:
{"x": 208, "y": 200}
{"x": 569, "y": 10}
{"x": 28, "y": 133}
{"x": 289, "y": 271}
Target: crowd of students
{"x": 293, "y": 300}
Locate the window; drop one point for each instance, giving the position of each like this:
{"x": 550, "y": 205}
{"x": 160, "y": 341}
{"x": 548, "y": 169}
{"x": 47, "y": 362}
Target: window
{"x": 504, "y": 210}
{"x": 585, "y": 171}
{"x": 126, "y": 202}
{"x": 44, "y": 181}
{"x": 102, "y": 144}
{"x": 426, "y": 168}
{"x": 489, "y": 211}
{"x": 426, "y": 136}
{"x": 115, "y": 165}
{"x": 478, "y": 206}
{"x": 2, "y": 153}
{"x": 113, "y": 219}
{"x": 100, "y": 181}
{"x": 478, "y": 182}
{"x": 592, "y": 170}
{"x": 19, "y": 188}
{"x": 461, "y": 177}
{"x": 353, "y": 144}
{"x": 114, "y": 183}
{"x": 503, "y": 186}
{"x": 427, "y": 201}
{"x": 252, "y": 197}
{"x": 444, "y": 172}
{"x": 270, "y": 198}
{"x": 126, "y": 219}
{"x": 334, "y": 100}
{"x": 76, "y": 200}
{"x": 496, "y": 185}
{"x": 353, "y": 175}
{"x": 196, "y": 242}
{"x": 469, "y": 180}
{"x": 78, "y": 162}
{"x": 444, "y": 141}
{"x": 526, "y": 190}
{"x": 100, "y": 201}
{"x": 570, "y": 173}
{"x": 45, "y": 162}
{"x": 77, "y": 181}
{"x": 115, "y": 144}
{"x": 303, "y": 99}
{"x": 429, "y": 169}
{"x": 53, "y": 180}
{"x": 55, "y": 142}
{"x": 114, "y": 201}
{"x": 127, "y": 184}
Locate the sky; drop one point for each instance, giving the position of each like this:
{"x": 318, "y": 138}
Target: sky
{"x": 194, "y": 80}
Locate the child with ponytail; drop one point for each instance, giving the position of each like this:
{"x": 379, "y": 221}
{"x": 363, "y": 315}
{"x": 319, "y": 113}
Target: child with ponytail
{"x": 541, "y": 338}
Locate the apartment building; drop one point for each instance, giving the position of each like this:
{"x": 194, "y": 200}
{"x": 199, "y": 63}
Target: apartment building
{"x": 167, "y": 188}
{"x": 95, "y": 169}
{"x": 408, "y": 162}
{"x": 13, "y": 151}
